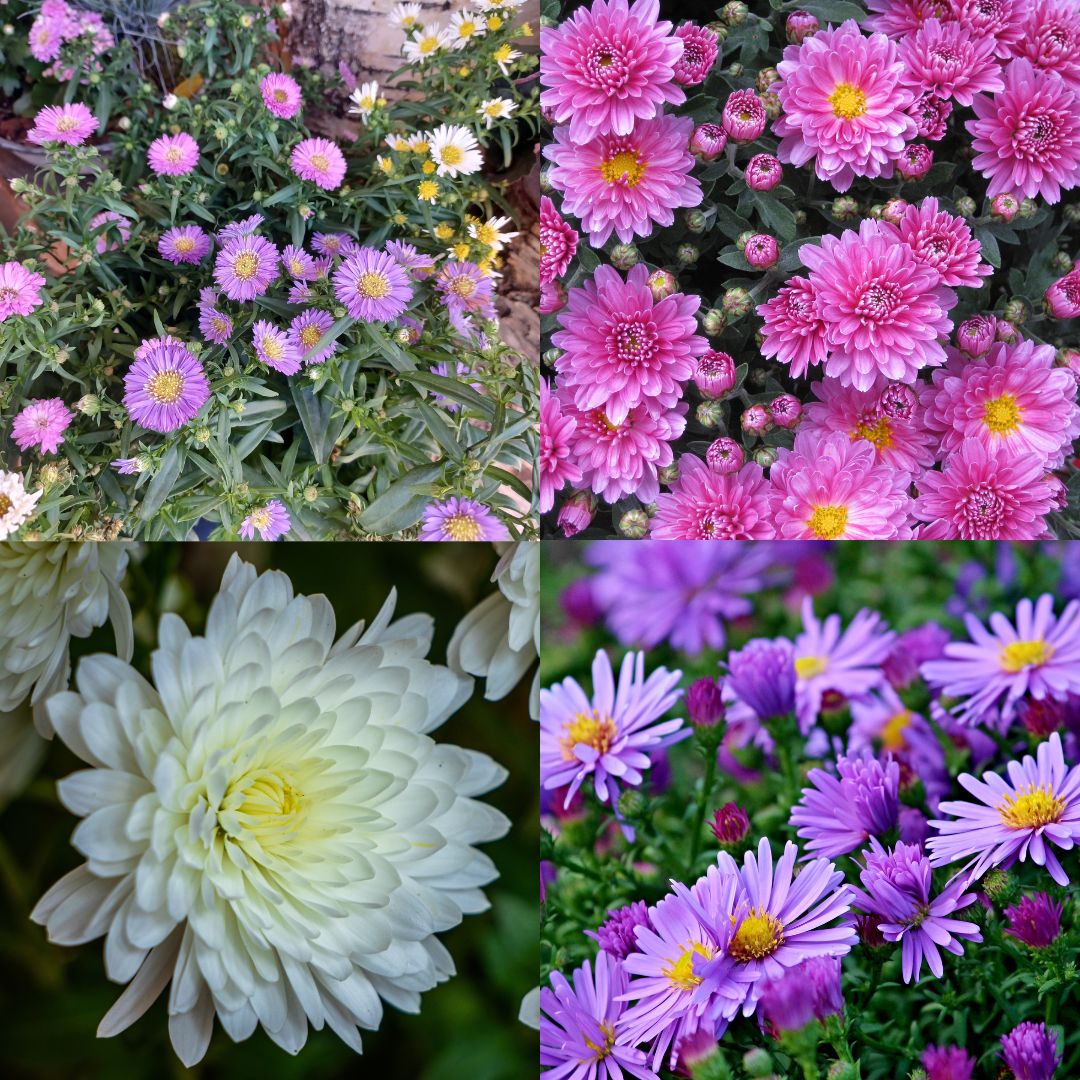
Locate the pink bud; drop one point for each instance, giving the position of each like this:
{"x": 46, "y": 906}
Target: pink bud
{"x": 756, "y": 420}
{"x": 662, "y": 284}
{"x": 1004, "y": 206}
{"x": 897, "y": 401}
{"x": 763, "y": 172}
{"x": 801, "y": 25}
{"x": 744, "y": 116}
{"x": 715, "y": 374}
{"x": 1005, "y": 331}
{"x": 893, "y": 210}
{"x": 576, "y": 513}
{"x": 1063, "y": 297}
{"x": 786, "y": 411}
{"x": 708, "y": 141}
{"x": 762, "y": 251}
{"x": 976, "y": 335}
{"x": 914, "y": 161}
{"x": 725, "y": 456}
{"x": 552, "y": 298}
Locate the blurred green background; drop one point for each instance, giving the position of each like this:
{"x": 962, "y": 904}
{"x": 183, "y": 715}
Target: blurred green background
{"x": 51, "y": 998}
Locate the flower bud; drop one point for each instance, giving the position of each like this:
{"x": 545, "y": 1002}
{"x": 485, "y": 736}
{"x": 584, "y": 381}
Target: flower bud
{"x": 756, "y": 420}
{"x": 687, "y": 255}
{"x": 705, "y": 703}
{"x": 708, "y": 413}
{"x": 634, "y": 524}
{"x": 744, "y": 116}
{"x": 730, "y": 825}
{"x": 625, "y": 256}
{"x": 1016, "y": 311}
{"x": 734, "y": 13}
{"x": 736, "y": 303}
{"x": 758, "y": 1062}
{"x": 786, "y": 411}
{"x": 1007, "y": 332}
{"x": 669, "y": 474}
{"x": 708, "y": 141}
{"x": 1058, "y": 492}
{"x": 576, "y": 513}
{"x": 662, "y": 284}
{"x": 714, "y": 375}
{"x": 1061, "y": 263}
{"x": 845, "y": 208}
{"x": 914, "y": 161}
{"x": 765, "y": 78}
{"x": 801, "y": 25}
{"x": 965, "y": 206}
{"x": 1004, "y": 207}
{"x": 893, "y": 210}
{"x": 976, "y": 335}
{"x": 632, "y": 803}
{"x": 88, "y": 405}
{"x": 724, "y": 456}
{"x": 897, "y": 401}
{"x": 696, "y": 221}
{"x": 552, "y": 297}
{"x": 765, "y": 456}
{"x": 1062, "y": 298}
{"x": 763, "y": 172}
{"x": 1028, "y": 208}
{"x": 713, "y": 321}
{"x": 762, "y": 251}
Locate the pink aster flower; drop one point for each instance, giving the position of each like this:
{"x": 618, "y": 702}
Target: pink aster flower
{"x": 707, "y": 505}
{"x": 622, "y": 348}
{"x": 173, "y": 155}
{"x": 246, "y": 266}
{"x": 320, "y": 161}
{"x": 330, "y": 243}
{"x": 271, "y": 522}
{"x": 298, "y": 264}
{"x": 556, "y": 467}
{"x": 883, "y": 309}
{"x": 982, "y": 493}
{"x": 625, "y": 183}
{"x": 1015, "y": 401}
{"x": 275, "y": 348}
{"x": 558, "y": 242}
{"x": 700, "y": 49}
{"x": 944, "y": 242}
{"x": 744, "y": 116}
{"x": 1050, "y": 38}
{"x": 214, "y": 325}
{"x": 71, "y": 125}
{"x": 1027, "y": 138}
{"x": 110, "y": 219}
{"x": 947, "y": 60}
{"x": 307, "y": 330}
{"x": 46, "y": 37}
{"x": 832, "y": 488}
{"x": 281, "y": 95}
{"x": 184, "y": 244}
{"x": 1019, "y": 818}
{"x": 608, "y": 66}
{"x": 898, "y": 18}
{"x": 372, "y": 286}
{"x": 794, "y": 332}
{"x": 1000, "y": 20}
{"x": 843, "y": 105}
{"x": 42, "y": 422}
{"x": 20, "y": 290}
{"x": 901, "y": 441}
{"x": 165, "y": 387}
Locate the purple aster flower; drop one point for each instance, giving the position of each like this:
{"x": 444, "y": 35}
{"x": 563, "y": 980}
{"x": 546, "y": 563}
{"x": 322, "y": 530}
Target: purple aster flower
{"x": 184, "y": 244}
{"x": 372, "y": 286}
{"x": 1030, "y": 1051}
{"x": 914, "y": 826}
{"x": 246, "y": 266}
{"x": 214, "y": 325}
{"x": 705, "y": 703}
{"x": 730, "y": 825}
{"x": 845, "y": 662}
{"x": 330, "y": 243}
{"x": 1036, "y": 920}
{"x": 128, "y": 466}
{"x": 301, "y": 293}
{"x": 465, "y": 291}
{"x": 173, "y": 155}
{"x": 246, "y": 227}
{"x": 275, "y": 348}
{"x": 20, "y": 290}
{"x": 897, "y": 892}
{"x": 1040, "y": 656}
{"x": 608, "y": 737}
{"x": 42, "y": 423}
{"x": 271, "y": 522}
{"x": 419, "y": 264}
{"x": 616, "y": 935}
{"x": 320, "y": 161}
{"x": 165, "y": 387}
{"x": 1038, "y": 805}
{"x": 298, "y": 263}
{"x": 947, "y": 1063}
{"x": 762, "y": 676}
{"x": 307, "y": 330}
{"x": 808, "y": 991}
{"x": 912, "y": 649}
{"x": 71, "y": 125}
{"x": 578, "y": 1023}
{"x": 838, "y": 815}
{"x": 461, "y": 519}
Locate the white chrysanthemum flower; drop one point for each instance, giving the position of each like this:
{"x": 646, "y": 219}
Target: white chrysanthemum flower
{"x": 463, "y": 28}
{"x": 364, "y": 99}
{"x": 50, "y": 593}
{"x": 455, "y": 150}
{"x": 500, "y": 638}
{"x": 497, "y": 108}
{"x": 16, "y": 503}
{"x": 21, "y": 751}
{"x": 529, "y": 1011}
{"x": 269, "y": 827}
{"x": 490, "y": 233}
{"x": 427, "y": 42}
{"x": 405, "y": 16}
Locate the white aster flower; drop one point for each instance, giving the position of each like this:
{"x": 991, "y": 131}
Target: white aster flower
{"x": 50, "y": 593}
{"x": 269, "y": 826}
{"x": 500, "y": 638}
{"x": 490, "y": 233}
{"x": 498, "y": 5}
{"x": 498, "y": 108}
{"x": 364, "y": 99}
{"x": 462, "y": 28}
{"x": 455, "y": 150}
{"x": 21, "y": 751}
{"x": 504, "y": 56}
{"x": 405, "y": 16}
{"x": 16, "y": 503}
{"x": 425, "y": 44}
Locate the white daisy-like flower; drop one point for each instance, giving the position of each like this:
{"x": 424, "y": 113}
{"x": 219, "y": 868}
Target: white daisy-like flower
{"x": 364, "y": 99}
{"x": 405, "y": 16}
{"x": 498, "y": 5}
{"x": 50, "y": 593}
{"x": 490, "y": 233}
{"x": 269, "y": 825}
{"x": 504, "y": 56}
{"x": 463, "y": 28}
{"x": 454, "y": 150}
{"x": 500, "y": 638}
{"x": 497, "y": 108}
{"x": 16, "y": 503}
{"x": 425, "y": 44}
{"x": 21, "y": 751}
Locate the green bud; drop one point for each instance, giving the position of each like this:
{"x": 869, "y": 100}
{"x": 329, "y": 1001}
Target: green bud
{"x": 736, "y": 303}
{"x": 687, "y": 254}
{"x": 708, "y": 414}
{"x": 843, "y": 1070}
{"x": 625, "y": 256}
{"x": 1072, "y": 212}
{"x": 1061, "y": 263}
{"x": 765, "y": 456}
{"x": 1028, "y": 208}
{"x": 713, "y": 321}
{"x": 735, "y": 70}
{"x": 965, "y": 206}
{"x": 742, "y": 238}
{"x": 311, "y": 493}
{"x": 696, "y": 221}
{"x": 632, "y": 803}
{"x": 757, "y": 1062}
{"x": 1000, "y": 886}
{"x": 734, "y": 13}
{"x": 634, "y": 525}
{"x": 1016, "y": 311}
{"x": 669, "y": 474}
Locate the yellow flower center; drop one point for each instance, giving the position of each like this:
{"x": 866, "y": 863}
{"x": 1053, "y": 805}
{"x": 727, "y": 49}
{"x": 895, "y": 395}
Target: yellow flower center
{"x": 320, "y": 161}
{"x": 67, "y": 123}
{"x": 463, "y": 286}
{"x": 5, "y": 504}
{"x": 466, "y": 29}
{"x": 592, "y": 729}
{"x": 603, "y": 1051}
{"x": 485, "y": 234}
{"x": 681, "y": 970}
{"x": 1035, "y": 807}
{"x": 184, "y": 244}
{"x": 1002, "y": 414}
{"x": 174, "y": 154}
{"x": 220, "y": 325}
{"x": 246, "y": 265}
{"x": 260, "y": 518}
{"x": 494, "y": 22}
{"x": 494, "y": 111}
{"x": 428, "y": 189}
{"x": 451, "y": 155}
{"x": 624, "y": 167}
{"x": 428, "y": 44}
{"x": 272, "y": 347}
{"x": 847, "y": 101}
{"x": 828, "y": 522}
{"x": 462, "y": 527}
{"x": 759, "y": 935}
{"x": 892, "y": 734}
{"x": 264, "y": 802}
{"x": 502, "y": 54}
{"x": 165, "y": 387}
{"x": 310, "y": 336}
{"x": 280, "y": 95}
{"x": 1021, "y": 654}
{"x": 878, "y": 432}
{"x": 806, "y": 667}
{"x": 373, "y": 285}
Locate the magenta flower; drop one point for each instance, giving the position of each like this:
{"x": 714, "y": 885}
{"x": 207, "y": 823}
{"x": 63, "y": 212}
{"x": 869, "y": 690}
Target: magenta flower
{"x": 1000, "y": 20}
{"x": 915, "y": 162}
{"x": 20, "y": 290}
{"x": 763, "y": 172}
{"x": 831, "y": 488}
{"x": 1037, "y": 806}
{"x": 1050, "y": 38}
{"x": 944, "y": 242}
{"x": 165, "y": 387}
{"x": 184, "y": 244}
{"x": 320, "y": 161}
{"x": 46, "y": 37}
{"x": 556, "y": 467}
{"x": 214, "y": 325}
{"x": 947, "y": 1063}
{"x": 974, "y": 336}
{"x": 794, "y": 331}
{"x": 1036, "y": 920}
{"x": 461, "y": 519}
{"x": 281, "y": 95}
{"x": 700, "y": 49}
{"x": 949, "y": 61}
{"x": 42, "y": 422}
{"x": 616, "y": 935}
{"x": 714, "y": 373}
{"x": 372, "y": 286}
{"x": 984, "y": 493}
{"x": 305, "y": 333}
{"x": 609, "y": 66}
{"x": 71, "y": 125}
{"x": 744, "y": 116}
{"x": 730, "y": 825}
{"x": 621, "y": 348}
{"x": 706, "y": 505}
{"x": 1027, "y": 138}
{"x": 173, "y": 155}
{"x": 271, "y": 522}
{"x": 625, "y": 183}
{"x": 810, "y": 990}
{"x": 898, "y": 18}
{"x": 246, "y": 266}
{"x": 274, "y": 348}
{"x": 1030, "y": 1052}
{"x": 558, "y": 242}
{"x": 931, "y": 115}
{"x": 708, "y": 141}
{"x": 843, "y": 105}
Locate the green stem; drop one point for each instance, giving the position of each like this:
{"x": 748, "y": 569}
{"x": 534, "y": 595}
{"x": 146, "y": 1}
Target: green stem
{"x": 703, "y": 802}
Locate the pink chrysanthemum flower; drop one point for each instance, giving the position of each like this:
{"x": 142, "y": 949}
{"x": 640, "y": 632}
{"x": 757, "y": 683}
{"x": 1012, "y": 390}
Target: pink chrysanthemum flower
{"x": 626, "y": 183}
{"x": 832, "y": 488}
{"x": 246, "y": 266}
{"x": 20, "y": 290}
{"x": 608, "y": 66}
{"x": 1027, "y": 138}
{"x": 794, "y": 332}
{"x": 556, "y": 467}
{"x": 71, "y": 125}
{"x": 1018, "y": 818}
{"x": 843, "y": 105}
{"x": 623, "y": 458}
{"x": 622, "y": 348}
{"x": 700, "y": 49}
{"x": 883, "y": 309}
{"x": 1000, "y": 20}
{"x": 372, "y": 286}
{"x": 1050, "y": 38}
{"x": 706, "y": 505}
{"x": 931, "y": 116}
{"x": 165, "y": 387}
{"x": 320, "y": 161}
{"x": 947, "y": 60}
{"x": 983, "y": 494}
{"x": 281, "y": 95}
{"x": 298, "y": 264}
{"x": 307, "y": 330}
{"x": 271, "y": 522}
{"x": 1015, "y": 400}
{"x": 173, "y": 155}
{"x": 42, "y": 423}
{"x": 275, "y": 348}
{"x": 899, "y": 18}
{"x": 558, "y": 242}
{"x": 902, "y": 442}
{"x": 110, "y": 218}
{"x": 944, "y": 242}
{"x": 184, "y": 244}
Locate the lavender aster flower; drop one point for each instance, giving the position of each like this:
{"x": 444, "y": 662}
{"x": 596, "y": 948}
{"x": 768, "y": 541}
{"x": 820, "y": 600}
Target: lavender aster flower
{"x": 246, "y": 266}
{"x": 271, "y": 522}
{"x": 616, "y": 935}
{"x": 808, "y": 991}
{"x": 307, "y": 330}
{"x": 947, "y": 1063}
{"x": 762, "y": 676}
{"x": 912, "y": 649}
{"x": 165, "y": 387}
{"x": 461, "y": 519}
{"x": 275, "y": 348}
{"x": 1030, "y": 1051}
{"x": 1036, "y": 920}
{"x": 372, "y": 286}
{"x": 184, "y": 244}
